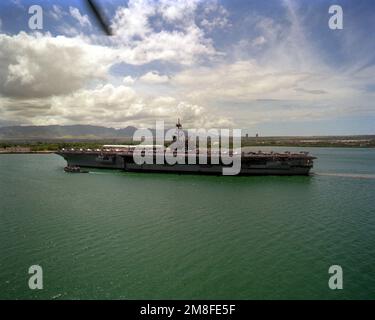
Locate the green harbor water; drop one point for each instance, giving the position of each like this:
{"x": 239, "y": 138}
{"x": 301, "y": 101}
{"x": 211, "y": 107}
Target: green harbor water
{"x": 116, "y": 235}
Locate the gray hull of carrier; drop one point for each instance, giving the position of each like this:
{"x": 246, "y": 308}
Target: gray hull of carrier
{"x": 251, "y": 163}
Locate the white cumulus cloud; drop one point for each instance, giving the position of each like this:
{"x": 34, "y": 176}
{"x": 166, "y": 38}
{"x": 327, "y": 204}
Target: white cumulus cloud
{"x": 83, "y": 20}
{"x": 153, "y": 77}
{"x": 42, "y": 65}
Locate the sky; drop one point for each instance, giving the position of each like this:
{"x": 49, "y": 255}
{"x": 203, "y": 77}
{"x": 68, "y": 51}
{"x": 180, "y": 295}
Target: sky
{"x": 270, "y": 67}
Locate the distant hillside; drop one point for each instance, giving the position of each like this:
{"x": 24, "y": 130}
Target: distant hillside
{"x": 24, "y": 135}
{"x": 64, "y": 132}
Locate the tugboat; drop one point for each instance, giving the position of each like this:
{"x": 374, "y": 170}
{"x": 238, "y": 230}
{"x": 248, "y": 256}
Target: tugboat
{"x": 74, "y": 169}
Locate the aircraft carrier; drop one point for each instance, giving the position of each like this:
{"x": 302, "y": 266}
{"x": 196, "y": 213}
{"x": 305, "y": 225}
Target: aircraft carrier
{"x": 121, "y": 157}
{"x": 259, "y": 163}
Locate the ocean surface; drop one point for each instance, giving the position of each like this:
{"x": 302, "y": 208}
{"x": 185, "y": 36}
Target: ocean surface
{"x": 115, "y": 235}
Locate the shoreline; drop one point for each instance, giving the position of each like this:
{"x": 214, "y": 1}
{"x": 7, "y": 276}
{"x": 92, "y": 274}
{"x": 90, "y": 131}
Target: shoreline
{"x": 246, "y": 146}
{"x": 28, "y": 152}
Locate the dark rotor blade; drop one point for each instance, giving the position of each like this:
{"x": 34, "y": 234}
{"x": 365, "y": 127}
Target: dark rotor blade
{"x": 100, "y": 17}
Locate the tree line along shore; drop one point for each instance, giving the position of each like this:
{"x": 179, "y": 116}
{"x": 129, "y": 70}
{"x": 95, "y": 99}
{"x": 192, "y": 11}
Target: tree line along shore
{"x": 52, "y": 146}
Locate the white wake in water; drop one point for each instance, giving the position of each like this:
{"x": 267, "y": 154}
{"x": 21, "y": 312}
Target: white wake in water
{"x": 96, "y": 172}
{"x": 348, "y": 175}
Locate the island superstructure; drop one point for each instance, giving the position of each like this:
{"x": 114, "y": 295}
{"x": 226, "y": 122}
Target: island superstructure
{"x": 121, "y": 157}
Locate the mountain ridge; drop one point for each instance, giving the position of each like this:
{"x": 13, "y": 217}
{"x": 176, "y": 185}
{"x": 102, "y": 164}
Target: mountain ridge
{"x": 94, "y": 132}
{"x": 62, "y": 132}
